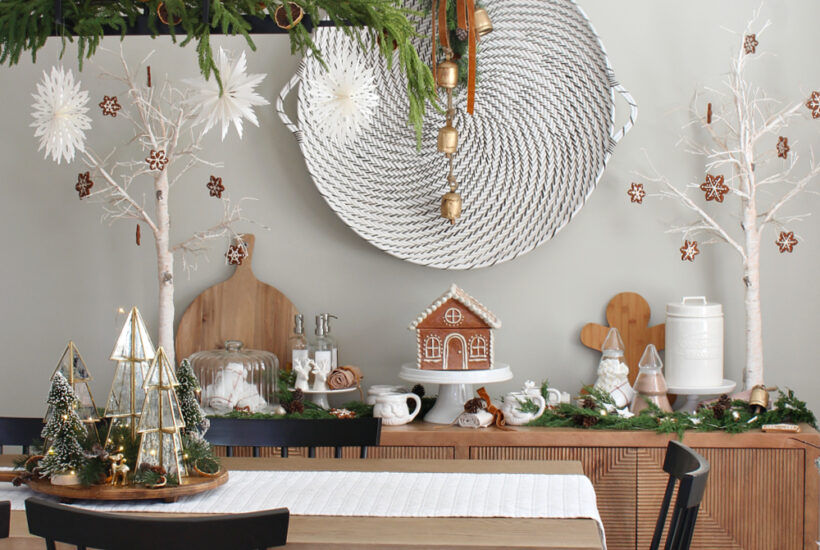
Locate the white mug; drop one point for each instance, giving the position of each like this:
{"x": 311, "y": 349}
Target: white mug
{"x": 381, "y": 389}
{"x": 513, "y": 415}
{"x": 392, "y": 408}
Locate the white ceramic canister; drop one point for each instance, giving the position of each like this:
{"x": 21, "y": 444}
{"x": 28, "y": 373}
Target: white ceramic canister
{"x": 694, "y": 343}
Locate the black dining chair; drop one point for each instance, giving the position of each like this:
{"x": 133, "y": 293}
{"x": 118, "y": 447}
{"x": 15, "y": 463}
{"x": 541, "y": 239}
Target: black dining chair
{"x": 289, "y": 432}
{"x": 22, "y": 431}
{"x": 5, "y": 519}
{"x": 115, "y": 531}
{"x": 689, "y": 470}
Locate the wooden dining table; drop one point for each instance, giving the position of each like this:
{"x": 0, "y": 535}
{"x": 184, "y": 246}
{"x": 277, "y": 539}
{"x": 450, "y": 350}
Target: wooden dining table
{"x": 399, "y": 533}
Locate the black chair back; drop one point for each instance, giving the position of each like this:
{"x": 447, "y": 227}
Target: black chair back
{"x": 689, "y": 470}
{"x": 20, "y": 431}
{"x": 5, "y": 518}
{"x": 83, "y": 528}
{"x": 288, "y": 432}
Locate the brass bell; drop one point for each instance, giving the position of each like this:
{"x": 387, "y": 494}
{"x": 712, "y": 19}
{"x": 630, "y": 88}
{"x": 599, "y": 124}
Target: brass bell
{"x": 759, "y": 399}
{"x": 447, "y": 74}
{"x": 448, "y": 139}
{"x": 451, "y": 206}
{"x": 483, "y": 25}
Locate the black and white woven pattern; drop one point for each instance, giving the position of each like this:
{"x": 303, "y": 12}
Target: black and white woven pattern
{"x": 529, "y": 157}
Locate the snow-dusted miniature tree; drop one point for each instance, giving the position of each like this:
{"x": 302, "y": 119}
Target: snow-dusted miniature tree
{"x": 192, "y": 413}
{"x": 63, "y": 431}
{"x": 748, "y": 160}
{"x": 169, "y": 125}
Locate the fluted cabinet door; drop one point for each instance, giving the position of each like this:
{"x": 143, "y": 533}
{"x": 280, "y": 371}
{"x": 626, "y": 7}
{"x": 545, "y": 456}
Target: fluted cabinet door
{"x": 612, "y": 470}
{"x": 753, "y": 499}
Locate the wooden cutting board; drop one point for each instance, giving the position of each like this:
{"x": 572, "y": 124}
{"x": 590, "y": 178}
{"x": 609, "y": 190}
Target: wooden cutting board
{"x": 630, "y": 313}
{"x": 241, "y": 308}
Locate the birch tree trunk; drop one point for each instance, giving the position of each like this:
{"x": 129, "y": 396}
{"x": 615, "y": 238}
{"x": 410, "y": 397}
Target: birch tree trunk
{"x": 165, "y": 267}
{"x": 753, "y": 373}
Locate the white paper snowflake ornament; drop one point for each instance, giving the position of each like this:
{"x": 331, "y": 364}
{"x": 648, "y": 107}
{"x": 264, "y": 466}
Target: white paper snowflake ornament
{"x": 59, "y": 115}
{"x": 342, "y": 101}
{"x": 238, "y": 95}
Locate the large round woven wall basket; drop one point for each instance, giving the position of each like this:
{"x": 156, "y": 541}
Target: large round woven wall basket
{"x": 528, "y": 159}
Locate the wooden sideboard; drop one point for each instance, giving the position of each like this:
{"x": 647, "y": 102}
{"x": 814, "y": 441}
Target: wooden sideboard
{"x": 762, "y": 492}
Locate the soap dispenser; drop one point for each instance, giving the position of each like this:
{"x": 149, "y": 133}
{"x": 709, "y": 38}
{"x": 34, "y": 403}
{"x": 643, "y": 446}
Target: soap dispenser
{"x": 333, "y": 344}
{"x": 297, "y": 343}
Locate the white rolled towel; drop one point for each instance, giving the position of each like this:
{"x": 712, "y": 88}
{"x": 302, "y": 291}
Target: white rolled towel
{"x": 480, "y": 419}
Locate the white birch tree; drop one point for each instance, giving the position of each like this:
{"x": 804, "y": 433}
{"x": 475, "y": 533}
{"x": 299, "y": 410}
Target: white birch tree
{"x": 748, "y": 161}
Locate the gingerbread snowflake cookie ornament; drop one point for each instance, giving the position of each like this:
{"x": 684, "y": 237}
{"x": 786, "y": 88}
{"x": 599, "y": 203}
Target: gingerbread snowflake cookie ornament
{"x": 110, "y": 106}
{"x": 689, "y": 250}
{"x": 215, "y": 187}
{"x": 157, "y": 160}
{"x": 786, "y": 241}
{"x": 783, "y": 147}
{"x": 714, "y": 188}
{"x": 814, "y": 104}
{"x": 636, "y": 193}
{"x": 84, "y": 184}
{"x": 236, "y": 253}
{"x": 750, "y": 44}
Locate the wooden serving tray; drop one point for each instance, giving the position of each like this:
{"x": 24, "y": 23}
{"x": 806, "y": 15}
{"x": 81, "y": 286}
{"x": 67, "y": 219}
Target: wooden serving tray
{"x": 188, "y": 486}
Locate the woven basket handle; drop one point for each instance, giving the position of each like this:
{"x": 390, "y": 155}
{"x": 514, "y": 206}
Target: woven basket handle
{"x": 280, "y": 102}
{"x": 633, "y": 109}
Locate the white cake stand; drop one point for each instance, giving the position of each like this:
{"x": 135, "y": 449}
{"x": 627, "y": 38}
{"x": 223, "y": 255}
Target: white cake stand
{"x": 455, "y": 387}
{"x": 320, "y": 396}
{"x": 696, "y": 395}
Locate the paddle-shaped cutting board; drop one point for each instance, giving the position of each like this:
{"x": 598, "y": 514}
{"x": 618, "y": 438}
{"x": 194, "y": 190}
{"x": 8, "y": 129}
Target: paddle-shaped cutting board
{"x": 241, "y": 308}
{"x": 630, "y": 313}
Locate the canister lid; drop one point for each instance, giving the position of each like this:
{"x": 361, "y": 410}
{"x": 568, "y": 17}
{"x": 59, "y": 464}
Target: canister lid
{"x": 694, "y": 306}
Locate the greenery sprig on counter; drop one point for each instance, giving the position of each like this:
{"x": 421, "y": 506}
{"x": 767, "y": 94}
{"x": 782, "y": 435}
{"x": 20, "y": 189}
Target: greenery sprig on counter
{"x": 598, "y": 413}
{"x": 25, "y": 25}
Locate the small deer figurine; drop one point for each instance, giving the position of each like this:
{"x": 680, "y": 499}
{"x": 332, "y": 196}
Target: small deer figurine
{"x": 119, "y": 469}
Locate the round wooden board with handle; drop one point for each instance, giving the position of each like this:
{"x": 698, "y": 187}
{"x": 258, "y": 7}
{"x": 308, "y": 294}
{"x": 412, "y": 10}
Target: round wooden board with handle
{"x": 241, "y": 308}
{"x": 188, "y": 486}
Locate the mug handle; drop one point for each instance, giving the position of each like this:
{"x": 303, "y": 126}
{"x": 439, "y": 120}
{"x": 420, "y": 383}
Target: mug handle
{"x": 416, "y": 411}
{"x": 557, "y": 393}
{"x": 542, "y": 407}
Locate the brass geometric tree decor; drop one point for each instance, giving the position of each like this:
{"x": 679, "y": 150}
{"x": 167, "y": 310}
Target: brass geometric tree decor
{"x": 75, "y": 371}
{"x": 161, "y": 419}
{"x": 133, "y": 352}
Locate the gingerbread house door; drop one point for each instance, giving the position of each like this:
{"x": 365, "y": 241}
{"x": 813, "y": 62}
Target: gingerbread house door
{"x": 455, "y": 352}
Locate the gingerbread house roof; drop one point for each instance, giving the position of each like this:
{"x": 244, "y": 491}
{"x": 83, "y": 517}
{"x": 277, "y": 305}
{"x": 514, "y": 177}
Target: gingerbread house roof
{"x": 456, "y": 293}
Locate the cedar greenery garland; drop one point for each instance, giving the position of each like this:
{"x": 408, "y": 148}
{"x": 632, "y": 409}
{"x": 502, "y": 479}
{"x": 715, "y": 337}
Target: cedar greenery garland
{"x": 26, "y": 24}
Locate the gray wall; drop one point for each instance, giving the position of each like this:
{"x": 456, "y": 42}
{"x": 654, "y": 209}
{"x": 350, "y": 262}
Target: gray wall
{"x": 64, "y": 272}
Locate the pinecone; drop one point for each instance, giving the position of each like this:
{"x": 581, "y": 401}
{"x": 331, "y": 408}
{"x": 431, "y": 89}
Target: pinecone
{"x": 295, "y": 406}
{"x": 725, "y": 401}
{"x": 418, "y": 389}
{"x": 474, "y": 405}
{"x": 297, "y": 395}
{"x": 461, "y": 34}
{"x": 718, "y": 410}
{"x": 584, "y": 420}
{"x": 589, "y": 403}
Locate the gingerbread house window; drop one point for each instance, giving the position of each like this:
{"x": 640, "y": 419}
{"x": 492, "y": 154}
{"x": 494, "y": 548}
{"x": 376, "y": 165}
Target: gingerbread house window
{"x": 478, "y": 348}
{"x": 453, "y": 316}
{"x": 432, "y": 347}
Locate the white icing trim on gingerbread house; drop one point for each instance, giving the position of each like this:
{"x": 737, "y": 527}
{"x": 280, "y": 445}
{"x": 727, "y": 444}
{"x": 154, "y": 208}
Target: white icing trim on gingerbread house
{"x": 466, "y": 300}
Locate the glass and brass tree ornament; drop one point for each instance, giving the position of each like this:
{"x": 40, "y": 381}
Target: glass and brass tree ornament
{"x": 133, "y": 352}
{"x": 73, "y": 368}
{"x": 161, "y": 419}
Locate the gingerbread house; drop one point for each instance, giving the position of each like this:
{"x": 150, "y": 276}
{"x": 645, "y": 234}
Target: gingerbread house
{"x": 455, "y": 333}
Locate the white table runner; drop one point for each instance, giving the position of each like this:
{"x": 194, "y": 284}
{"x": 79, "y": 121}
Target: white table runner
{"x": 379, "y": 494}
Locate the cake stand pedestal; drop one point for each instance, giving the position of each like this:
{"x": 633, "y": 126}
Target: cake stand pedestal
{"x": 696, "y": 395}
{"x": 455, "y": 387}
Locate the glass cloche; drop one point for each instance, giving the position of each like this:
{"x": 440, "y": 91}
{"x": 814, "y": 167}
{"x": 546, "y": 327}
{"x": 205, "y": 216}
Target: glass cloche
{"x": 236, "y": 378}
